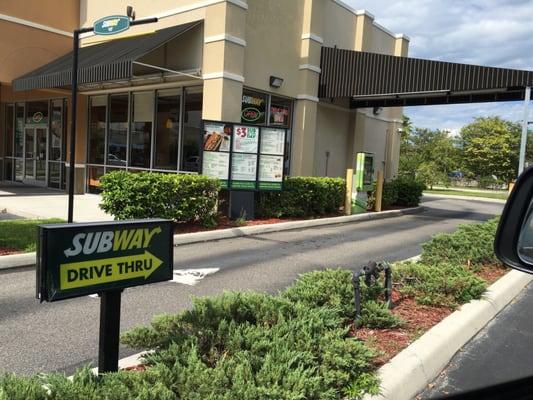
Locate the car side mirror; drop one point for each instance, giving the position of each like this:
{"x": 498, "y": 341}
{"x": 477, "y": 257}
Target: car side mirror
{"x": 514, "y": 238}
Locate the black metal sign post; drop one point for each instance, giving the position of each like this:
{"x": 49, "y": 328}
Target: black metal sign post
{"x": 76, "y": 260}
{"x": 100, "y": 28}
{"x": 109, "y": 340}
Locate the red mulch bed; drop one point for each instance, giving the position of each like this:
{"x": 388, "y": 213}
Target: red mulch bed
{"x": 4, "y": 251}
{"x": 225, "y": 223}
{"x": 418, "y": 319}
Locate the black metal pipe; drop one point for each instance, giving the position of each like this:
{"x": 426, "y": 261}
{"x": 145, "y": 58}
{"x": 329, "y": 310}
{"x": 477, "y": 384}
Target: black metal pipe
{"x": 73, "y": 111}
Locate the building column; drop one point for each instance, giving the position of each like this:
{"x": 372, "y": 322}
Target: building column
{"x": 223, "y": 65}
{"x": 305, "y": 109}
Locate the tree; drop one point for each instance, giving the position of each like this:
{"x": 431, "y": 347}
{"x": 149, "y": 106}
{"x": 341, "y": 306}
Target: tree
{"x": 428, "y": 155}
{"x": 490, "y": 146}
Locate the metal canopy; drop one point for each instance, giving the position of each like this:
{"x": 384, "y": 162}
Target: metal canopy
{"x": 112, "y": 60}
{"x": 379, "y": 80}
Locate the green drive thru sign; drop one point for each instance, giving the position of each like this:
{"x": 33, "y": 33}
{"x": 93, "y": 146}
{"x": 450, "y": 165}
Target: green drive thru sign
{"x": 111, "y": 25}
{"x": 80, "y": 259}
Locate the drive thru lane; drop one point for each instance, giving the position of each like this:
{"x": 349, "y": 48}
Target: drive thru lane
{"x": 62, "y": 336}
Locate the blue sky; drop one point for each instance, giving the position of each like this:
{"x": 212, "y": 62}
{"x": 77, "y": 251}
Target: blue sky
{"x": 496, "y": 33}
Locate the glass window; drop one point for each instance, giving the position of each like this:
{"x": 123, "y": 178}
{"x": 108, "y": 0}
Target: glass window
{"x": 97, "y": 126}
{"x": 19, "y": 130}
{"x": 8, "y": 133}
{"x": 118, "y": 129}
{"x": 93, "y": 176}
{"x": 280, "y": 112}
{"x": 56, "y": 131}
{"x": 8, "y": 169}
{"x": 54, "y": 175}
{"x": 18, "y": 170}
{"x": 167, "y": 129}
{"x": 253, "y": 110}
{"x": 37, "y": 113}
{"x": 192, "y": 130}
{"x": 141, "y": 129}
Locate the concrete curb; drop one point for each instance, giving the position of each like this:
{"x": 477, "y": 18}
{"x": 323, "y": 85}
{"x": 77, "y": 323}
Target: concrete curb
{"x": 18, "y": 260}
{"x": 409, "y": 372}
{"x": 230, "y": 233}
{"x": 28, "y": 259}
{"x": 452, "y": 196}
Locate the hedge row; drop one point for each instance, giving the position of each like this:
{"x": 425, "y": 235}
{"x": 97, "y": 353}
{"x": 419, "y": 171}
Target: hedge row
{"x": 303, "y": 197}
{"x": 180, "y": 197}
{"x": 445, "y": 275}
{"x": 402, "y": 191}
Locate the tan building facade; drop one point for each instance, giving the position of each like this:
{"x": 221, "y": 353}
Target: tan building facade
{"x": 209, "y": 60}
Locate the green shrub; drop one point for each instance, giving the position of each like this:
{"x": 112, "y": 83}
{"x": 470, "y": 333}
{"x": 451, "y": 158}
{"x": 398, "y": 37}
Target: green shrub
{"x": 376, "y": 315}
{"x": 409, "y": 191}
{"x": 390, "y": 194}
{"x": 251, "y": 345}
{"x": 441, "y": 285}
{"x": 402, "y": 191}
{"x": 303, "y": 197}
{"x": 13, "y": 387}
{"x": 180, "y": 197}
{"x": 333, "y": 288}
{"x": 469, "y": 244}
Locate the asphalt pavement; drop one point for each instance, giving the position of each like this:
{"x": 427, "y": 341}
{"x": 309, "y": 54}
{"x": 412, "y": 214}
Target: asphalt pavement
{"x": 62, "y": 336}
{"x": 500, "y": 352}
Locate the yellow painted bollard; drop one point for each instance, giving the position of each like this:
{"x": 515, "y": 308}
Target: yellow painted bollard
{"x": 379, "y": 191}
{"x": 348, "y": 197}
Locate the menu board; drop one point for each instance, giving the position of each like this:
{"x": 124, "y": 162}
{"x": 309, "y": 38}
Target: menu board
{"x": 245, "y": 139}
{"x": 270, "y": 171}
{"x": 244, "y": 157}
{"x": 216, "y": 165}
{"x": 243, "y": 171}
{"x": 272, "y": 141}
{"x": 217, "y": 137}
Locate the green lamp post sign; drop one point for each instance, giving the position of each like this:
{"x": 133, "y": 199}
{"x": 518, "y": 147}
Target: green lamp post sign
{"x": 111, "y": 25}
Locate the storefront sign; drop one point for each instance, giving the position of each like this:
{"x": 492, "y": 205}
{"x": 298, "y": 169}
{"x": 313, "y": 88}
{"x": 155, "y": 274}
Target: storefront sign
{"x": 80, "y": 259}
{"x": 279, "y": 115}
{"x": 253, "y": 108}
{"x": 37, "y": 117}
{"x": 111, "y": 25}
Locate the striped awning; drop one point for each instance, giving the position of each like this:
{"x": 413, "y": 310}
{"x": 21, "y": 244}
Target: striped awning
{"x": 109, "y": 61}
{"x": 372, "y": 80}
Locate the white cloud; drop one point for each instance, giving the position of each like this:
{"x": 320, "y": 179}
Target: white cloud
{"x": 485, "y": 32}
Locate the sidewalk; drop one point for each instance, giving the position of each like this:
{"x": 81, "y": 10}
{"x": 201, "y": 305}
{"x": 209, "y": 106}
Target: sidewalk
{"x": 35, "y": 202}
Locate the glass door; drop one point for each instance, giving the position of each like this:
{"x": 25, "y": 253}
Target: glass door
{"x": 35, "y": 156}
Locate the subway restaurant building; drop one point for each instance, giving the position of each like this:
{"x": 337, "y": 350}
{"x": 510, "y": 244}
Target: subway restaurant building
{"x": 149, "y": 96}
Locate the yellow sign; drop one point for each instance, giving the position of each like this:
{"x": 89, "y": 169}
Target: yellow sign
{"x": 96, "y": 272}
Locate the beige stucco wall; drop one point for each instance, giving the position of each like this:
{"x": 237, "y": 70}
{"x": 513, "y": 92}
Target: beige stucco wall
{"x": 273, "y": 44}
{"x": 332, "y": 135}
{"x": 23, "y": 49}
{"x": 58, "y": 14}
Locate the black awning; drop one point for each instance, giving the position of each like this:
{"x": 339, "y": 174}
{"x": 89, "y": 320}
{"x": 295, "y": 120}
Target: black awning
{"x": 371, "y": 80}
{"x": 104, "y": 62}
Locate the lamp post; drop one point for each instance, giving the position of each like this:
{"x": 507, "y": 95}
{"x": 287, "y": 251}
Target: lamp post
{"x": 115, "y": 24}
{"x": 523, "y": 140}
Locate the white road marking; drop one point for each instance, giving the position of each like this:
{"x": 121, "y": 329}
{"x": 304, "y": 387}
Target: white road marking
{"x": 192, "y": 276}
